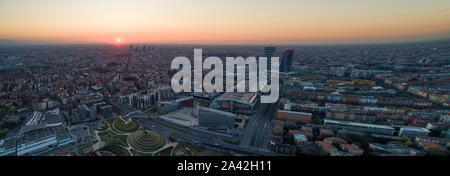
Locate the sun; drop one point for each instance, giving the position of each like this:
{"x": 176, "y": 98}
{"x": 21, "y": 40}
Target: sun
{"x": 118, "y": 40}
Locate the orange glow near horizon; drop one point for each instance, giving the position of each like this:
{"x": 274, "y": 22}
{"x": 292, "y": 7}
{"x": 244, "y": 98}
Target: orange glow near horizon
{"x": 233, "y": 21}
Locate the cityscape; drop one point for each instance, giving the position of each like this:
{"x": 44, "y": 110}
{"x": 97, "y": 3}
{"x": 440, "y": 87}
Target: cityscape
{"x": 382, "y": 100}
{"x": 95, "y": 84}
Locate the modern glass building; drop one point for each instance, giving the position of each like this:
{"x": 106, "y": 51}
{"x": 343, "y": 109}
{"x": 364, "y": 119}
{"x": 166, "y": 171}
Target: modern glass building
{"x": 212, "y": 118}
{"x": 269, "y": 52}
{"x": 286, "y": 60}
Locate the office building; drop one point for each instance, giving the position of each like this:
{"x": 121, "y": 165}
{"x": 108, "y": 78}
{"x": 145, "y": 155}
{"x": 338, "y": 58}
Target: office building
{"x": 286, "y": 60}
{"x": 36, "y": 141}
{"x": 87, "y": 113}
{"x": 269, "y": 52}
{"x": 106, "y": 110}
{"x": 238, "y": 102}
{"x": 141, "y": 100}
{"x": 362, "y": 127}
{"x": 408, "y": 131}
{"x": 212, "y": 118}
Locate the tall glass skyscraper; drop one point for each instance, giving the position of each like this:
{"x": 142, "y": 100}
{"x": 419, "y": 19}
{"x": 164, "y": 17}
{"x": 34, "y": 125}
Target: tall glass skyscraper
{"x": 269, "y": 52}
{"x": 286, "y": 60}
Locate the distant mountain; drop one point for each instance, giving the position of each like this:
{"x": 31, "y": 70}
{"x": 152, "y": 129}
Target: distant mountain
{"x": 6, "y": 42}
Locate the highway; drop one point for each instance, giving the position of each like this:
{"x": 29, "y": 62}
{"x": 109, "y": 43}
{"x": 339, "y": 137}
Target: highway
{"x": 257, "y": 132}
{"x": 198, "y": 138}
{"x": 254, "y": 141}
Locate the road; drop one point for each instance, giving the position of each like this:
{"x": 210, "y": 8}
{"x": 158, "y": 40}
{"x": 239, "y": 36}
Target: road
{"x": 257, "y": 132}
{"x": 257, "y": 135}
{"x": 200, "y": 138}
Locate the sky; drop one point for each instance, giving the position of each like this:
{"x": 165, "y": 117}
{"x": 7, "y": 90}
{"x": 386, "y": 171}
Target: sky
{"x": 225, "y": 21}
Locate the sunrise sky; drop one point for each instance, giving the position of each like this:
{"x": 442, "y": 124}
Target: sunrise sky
{"x": 225, "y": 21}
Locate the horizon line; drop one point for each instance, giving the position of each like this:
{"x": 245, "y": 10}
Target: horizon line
{"x": 44, "y": 43}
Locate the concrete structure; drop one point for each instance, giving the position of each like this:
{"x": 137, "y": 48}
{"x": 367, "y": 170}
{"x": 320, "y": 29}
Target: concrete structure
{"x": 207, "y": 96}
{"x": 363, "y": 127}
{"x": 394, "y": 149}
{"x": 49, "y": 118}
{"x": 35, "y": 118}
{"x": 238, "y": 101}
{"x": 165, "y": 92}
{"x": 165, "y": 107}
{"x": 408, "y": 131}
{"x": 106, "y": 110}
{"x": 87, "y": 113}
{"x": 186, "y": 101}
{"x": 183, "y": 116}
{"x": 213, "y": 118}
{"x": 35, "y": 142}
{"x": 141, "y": 100}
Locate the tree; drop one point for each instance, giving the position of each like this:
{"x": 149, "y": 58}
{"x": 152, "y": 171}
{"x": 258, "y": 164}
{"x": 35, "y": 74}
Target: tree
{"x": 3, "y": 132}
{"x": 5, "y": 118}
{"x": 409, "y": 143}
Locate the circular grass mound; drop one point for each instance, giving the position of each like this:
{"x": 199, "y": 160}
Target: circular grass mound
{"x": 147, "y": 141}
{"x": 125, "y": 127}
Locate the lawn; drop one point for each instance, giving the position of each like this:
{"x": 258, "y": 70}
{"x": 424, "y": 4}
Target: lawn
{"x": 112, "y": 139}
{"x": 125, "y": 127}
{"x": 186, "y": 149}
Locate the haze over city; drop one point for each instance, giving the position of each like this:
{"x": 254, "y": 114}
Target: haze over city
{"x": 225, "y": 78}
{"x": 225, "y": 22}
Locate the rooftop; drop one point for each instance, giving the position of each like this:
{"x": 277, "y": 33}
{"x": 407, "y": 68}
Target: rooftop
{"x": 325, "y": 145}
{"x": 294, "y": 112}
{"x": 435, "y": 146}
{"x": 358, "y": 124}
{"x": 416, "y": 129}
{"x": 240, "y": 97}
{"x": 300, "y": 137}
{"x": 201, "y": 108}
{"x": 351, "y": 147}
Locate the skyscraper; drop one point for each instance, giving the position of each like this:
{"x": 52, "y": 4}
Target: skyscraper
{"x": 269, "y": 52}
{"x": 286, "y": 60}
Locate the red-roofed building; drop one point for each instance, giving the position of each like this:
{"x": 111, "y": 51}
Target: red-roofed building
{"x": 429, "y": 146}
{"x": 293, "y": 116}
{"x": 278, "y": 130}
{"x": 277, "y": 139}
{"x": 335, "y": 141}
{"x": 325, "y": 132}
{"x": 441, "y": 141}
{"x": 327, "y": 147}
{"x": 307, "y": 128}
{"x": 352, "y": 149}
